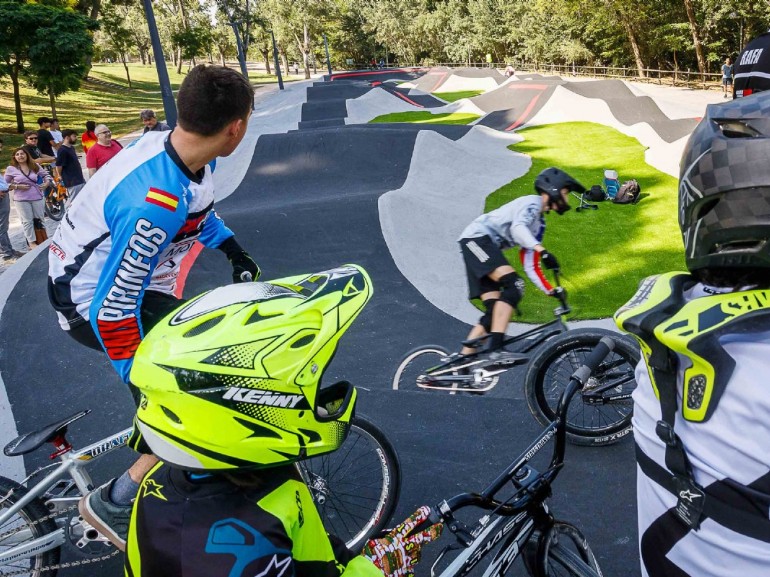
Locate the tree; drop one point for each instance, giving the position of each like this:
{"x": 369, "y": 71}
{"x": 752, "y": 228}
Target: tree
{"x": 26, "y": 31}
{"x": 119, "y": 37}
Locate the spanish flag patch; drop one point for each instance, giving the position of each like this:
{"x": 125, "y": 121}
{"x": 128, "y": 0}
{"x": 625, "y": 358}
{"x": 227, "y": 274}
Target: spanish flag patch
{"x": 162, "y": 198}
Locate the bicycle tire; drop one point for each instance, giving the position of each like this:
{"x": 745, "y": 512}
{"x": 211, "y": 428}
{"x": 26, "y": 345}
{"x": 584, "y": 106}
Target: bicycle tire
{"x": 54, "y": 209}
{"x": 563, "y": 551}
{"x": 549, "y": 372}
{"x": 414, "y": 363}
{"x": 356, "y": 487}
{"x": 32, "y": 516}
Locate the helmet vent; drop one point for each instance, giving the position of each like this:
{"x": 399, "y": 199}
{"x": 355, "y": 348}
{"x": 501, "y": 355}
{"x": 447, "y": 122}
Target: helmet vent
{"x": 737, "y": 129}
{"x": 203, "y": 327}
{"x": 303, "y": 341}
{"x": 706, "y": 208}
{"x": 171, "y": 415}
{"x": 739, "y": 245}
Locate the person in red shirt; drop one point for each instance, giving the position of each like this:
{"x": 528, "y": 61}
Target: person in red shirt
{"x": 101, "y": 152}
{"x": 88, "y": 138}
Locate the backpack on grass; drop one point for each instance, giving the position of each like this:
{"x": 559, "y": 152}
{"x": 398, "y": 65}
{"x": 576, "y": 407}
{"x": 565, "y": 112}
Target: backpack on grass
{"x": 595, "y": 193}
{"x": 628, "y": 193}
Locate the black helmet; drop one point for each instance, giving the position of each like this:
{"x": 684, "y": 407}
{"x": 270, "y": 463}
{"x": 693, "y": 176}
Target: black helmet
{"x": 551, "y": 181}
{"x": 724, "y": 187}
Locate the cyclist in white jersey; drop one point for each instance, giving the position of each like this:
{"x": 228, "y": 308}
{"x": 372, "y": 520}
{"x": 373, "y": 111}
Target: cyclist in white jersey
{"x": 518, "y": 223}
{"x": 701, "y": 406}
{"x": 115, "y": 259}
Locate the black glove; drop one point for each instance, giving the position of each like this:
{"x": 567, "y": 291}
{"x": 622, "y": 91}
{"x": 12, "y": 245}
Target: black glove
{"x": 549, "y": 260}
{"x": 244, "y": 267}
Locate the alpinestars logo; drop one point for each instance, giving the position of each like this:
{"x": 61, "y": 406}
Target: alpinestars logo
{"x": 257, "y": 397}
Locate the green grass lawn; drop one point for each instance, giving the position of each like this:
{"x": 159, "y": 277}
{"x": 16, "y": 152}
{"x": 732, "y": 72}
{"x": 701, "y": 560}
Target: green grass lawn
{"x": 113, "y": 104}
{"x": 455, "y": 96}
{"x": 425, "y": 117}
{"x": 603, "y": 253}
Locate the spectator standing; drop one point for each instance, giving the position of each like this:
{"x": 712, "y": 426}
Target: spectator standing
{"x": 7, "y": 254}
{"x": 45, "y": 141}
{"x": 68, "y": 164}
{"x": 509, "y": 71}
{"x": 23, "y": 176}
{"x": 55, "y": 131}
{"x": 103, "y": 151}
{"x": 88, "y": 138}
{"x": 151, "y": 123}
{"x": 727, "y": 76}
{"x": 30, "y": 147}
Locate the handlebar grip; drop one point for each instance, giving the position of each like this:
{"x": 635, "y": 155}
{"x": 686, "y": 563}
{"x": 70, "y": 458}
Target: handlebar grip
{"x": 246, "y": 276}
{"x": 605, "y": 347}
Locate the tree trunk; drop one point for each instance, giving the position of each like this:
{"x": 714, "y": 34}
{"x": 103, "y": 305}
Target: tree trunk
{"x": 695, "y": 36}
{"x": 125, "y": 65}
{"x": 266, "y": 56}
{"x": 179, "y": 60}
{"x": 95, "y": 7}
{"x": 222, "y": 57}
{"x": 52, "y": 99}
{"x": 634, "y": 46}
{"x": 141, "y": 56}
{"x": 14, "y": 70}
{"x": 284, "y": 59}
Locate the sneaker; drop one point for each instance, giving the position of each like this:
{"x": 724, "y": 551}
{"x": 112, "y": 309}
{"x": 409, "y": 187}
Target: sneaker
{"x": 18, "y": 253}
{"x": 9, "y": 259}
{"x": 102, "y": 514}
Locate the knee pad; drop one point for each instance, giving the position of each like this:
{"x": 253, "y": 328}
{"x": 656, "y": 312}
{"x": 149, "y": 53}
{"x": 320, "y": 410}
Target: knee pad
{"x": 486, "y": 319}
{"x": 512, "y": 289}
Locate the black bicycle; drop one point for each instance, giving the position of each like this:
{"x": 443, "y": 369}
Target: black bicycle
{"x": 553, "y": 352}
{"x": 521, "y": 524}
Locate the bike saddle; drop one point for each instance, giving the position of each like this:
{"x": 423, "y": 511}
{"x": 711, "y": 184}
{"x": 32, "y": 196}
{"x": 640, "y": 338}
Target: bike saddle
{"x": 28, "y": 442}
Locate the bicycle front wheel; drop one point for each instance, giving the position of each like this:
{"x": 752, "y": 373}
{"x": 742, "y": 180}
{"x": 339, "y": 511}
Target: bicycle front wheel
{"x": 602, "y": 412}
{"x": 562, "y": 551}
{"x": 355, "y": 487}
{"x": 29, "y": 523}
{"x": 54, "y": 209}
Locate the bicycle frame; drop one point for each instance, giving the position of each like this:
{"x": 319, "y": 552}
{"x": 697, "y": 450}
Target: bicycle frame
{"x": 526, "y": 507}
{"x": 73, "y": 464}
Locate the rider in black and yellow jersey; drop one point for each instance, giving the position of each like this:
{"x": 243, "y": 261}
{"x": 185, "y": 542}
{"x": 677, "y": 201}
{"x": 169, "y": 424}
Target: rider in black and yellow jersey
{"x": 231, "y": 399}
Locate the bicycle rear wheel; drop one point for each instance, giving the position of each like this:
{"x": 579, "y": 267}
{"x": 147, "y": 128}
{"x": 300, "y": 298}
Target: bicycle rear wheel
{"x": 356, "y": 487}
{"x": 414, "y": 371}
{"x": 562, "y": 551}
{"x": 602, "y": 413}
{"x": 28, "y": 524}
{"x": 414, "y": 366}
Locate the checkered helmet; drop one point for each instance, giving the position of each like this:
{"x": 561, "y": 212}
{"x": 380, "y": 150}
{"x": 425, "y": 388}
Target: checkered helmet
{"x": 724, "y": 187}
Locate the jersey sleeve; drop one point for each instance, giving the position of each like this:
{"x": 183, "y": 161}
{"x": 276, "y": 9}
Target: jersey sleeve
{"x": 522, "y": 219}
{"x": 530, "y": 262}
{"x": 215, "y": 232}
{"x": 141, "y": 223}
{"x": 313, "y": 553}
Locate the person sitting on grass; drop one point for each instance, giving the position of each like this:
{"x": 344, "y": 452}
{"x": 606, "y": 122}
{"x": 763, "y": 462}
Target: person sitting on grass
{"x": 226, "y": 499}
{"x": 490, "y": 277}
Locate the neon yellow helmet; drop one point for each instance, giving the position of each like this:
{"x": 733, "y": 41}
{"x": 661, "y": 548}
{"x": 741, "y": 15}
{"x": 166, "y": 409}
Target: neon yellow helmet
{"x": 232, "y": 378}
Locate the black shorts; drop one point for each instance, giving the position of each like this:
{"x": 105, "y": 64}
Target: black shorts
{"x": 482, "y": 256}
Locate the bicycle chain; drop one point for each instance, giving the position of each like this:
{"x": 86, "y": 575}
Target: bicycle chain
{"x": 56, "y": 566}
